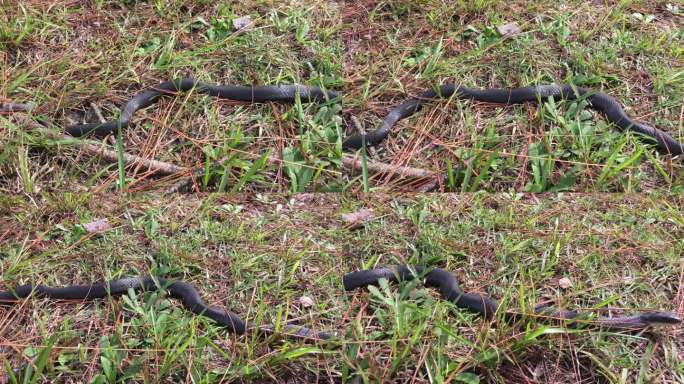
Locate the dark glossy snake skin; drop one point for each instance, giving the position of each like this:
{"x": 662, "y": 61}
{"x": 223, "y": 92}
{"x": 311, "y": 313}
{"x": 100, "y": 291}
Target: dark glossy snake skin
{"x": 185, "y": 292}
{"x": 597, "y": 100}
{"x": 450, "y": 290}
{"x": 253, "y": 94}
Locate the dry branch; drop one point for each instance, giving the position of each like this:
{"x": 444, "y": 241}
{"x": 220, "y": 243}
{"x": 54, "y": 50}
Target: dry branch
{"x": 100, "y": 150}
{"x": 164, "y": 168}
{"x": 356, "y": 163}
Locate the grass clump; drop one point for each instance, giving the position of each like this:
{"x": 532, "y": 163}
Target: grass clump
{"x": 278, "y": 259}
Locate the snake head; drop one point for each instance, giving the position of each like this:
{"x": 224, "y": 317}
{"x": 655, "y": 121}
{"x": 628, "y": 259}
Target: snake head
{"x": 661, "y": 318}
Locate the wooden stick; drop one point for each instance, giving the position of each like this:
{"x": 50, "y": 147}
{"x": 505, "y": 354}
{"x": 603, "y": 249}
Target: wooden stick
{"x": 349, "y": 162}
{"x": 100, "y": 150}
{"x": 155, "y": 166}
{"x": 354, "y": 162}
{"x": 164, "y": 168}
{"x": 96, "y": 109}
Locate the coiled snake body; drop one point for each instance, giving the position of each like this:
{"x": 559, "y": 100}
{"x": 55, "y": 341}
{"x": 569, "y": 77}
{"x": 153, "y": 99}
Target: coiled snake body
{"x": 597, "y": 100}
{"x": 487, "y": 307}
{"x": 185, "y": 292}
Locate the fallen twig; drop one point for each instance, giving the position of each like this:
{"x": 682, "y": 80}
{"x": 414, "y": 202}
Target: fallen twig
{"x": 164, "y": 168}
{"x": 96, "y": 109}
{"x": 155, "y": 166}
{"x": 104, "y": 153}
{"x": 349, "y": 162}
{"x": 354, "y": 162}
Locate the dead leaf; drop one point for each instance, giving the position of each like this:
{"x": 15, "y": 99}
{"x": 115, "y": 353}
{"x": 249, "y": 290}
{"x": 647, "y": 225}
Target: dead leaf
{"x": 357, "y": 219}
{"x": 306, "y": 301}
{"x": 243, "y": 23}
{"x": 565, "y": 283}
{"x": 510, "y": 29}
{"x": 97, "y": 226}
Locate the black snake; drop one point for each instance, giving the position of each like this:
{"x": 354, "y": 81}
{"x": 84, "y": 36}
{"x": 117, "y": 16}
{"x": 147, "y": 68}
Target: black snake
{"x": 185, "y": 292}
{"x": 251, "y": 94}
{"x": 450, "y": 290}
{"x": 289, "y": 93}
{"x": 597, "y": 100}
{"x": 439, "y": 278}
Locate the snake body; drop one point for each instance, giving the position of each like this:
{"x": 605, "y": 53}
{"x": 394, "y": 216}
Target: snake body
{"x": 449, "y": 288}
{"x": 607, "y": 105}
{"x": 439, "y": 278}
{"x": 251, "y": 94}
{"x": 186, "y": 293}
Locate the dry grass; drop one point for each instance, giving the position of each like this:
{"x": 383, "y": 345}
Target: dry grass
{"x": 397, "y": 49}
{"x": 257, "y": 255}
{"x": 70, "y": 56}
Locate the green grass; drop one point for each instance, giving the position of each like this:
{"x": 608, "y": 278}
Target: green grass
{"x": 631, "y": 50}
{"x": 65, "y": 56}
{"x": 257, "y": 255}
